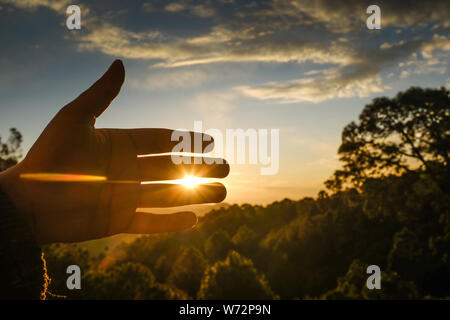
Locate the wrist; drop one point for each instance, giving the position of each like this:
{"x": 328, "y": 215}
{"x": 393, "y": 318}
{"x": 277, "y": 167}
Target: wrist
{"x": 10, "y": 185}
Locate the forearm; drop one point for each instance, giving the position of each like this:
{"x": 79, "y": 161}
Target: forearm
{"x": 21, "y": 263}
{"x": 15, "y": 189}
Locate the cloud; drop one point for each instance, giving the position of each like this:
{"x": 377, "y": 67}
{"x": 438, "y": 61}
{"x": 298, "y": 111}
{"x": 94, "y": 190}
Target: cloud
{"x": 56, "y": 5}
{"x": 172, "y": 79}
{"x": 203, "y": 10}
{"x": 439, "y": 42}
{"x": 351, "y": 64}
{"x": 347, "y": 16}
{"x": 359, "y": 83}
{"x": 176, "y": 6}
{"x": 148, "y": 7}
{"x": 353, "y": 74}
{"x": 431, "y": 57}
{"x": 115, "y": 41}
{"x": 360, "y": 78}
{"x": 422, "y": 66}
{"x": 214, "y": 108}
{"x": 176, "y": 52}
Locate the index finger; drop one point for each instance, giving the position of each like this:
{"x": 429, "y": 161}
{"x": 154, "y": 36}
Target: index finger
{"x": 158, "y": 140}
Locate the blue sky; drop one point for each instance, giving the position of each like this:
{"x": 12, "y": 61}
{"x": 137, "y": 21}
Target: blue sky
{"x": 304, "y": 67}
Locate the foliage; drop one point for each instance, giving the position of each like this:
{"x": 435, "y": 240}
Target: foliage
{"x": 218, "y": 245}
{"x": 10, "y": 150}
{"x": 352, "y": 286}
{"x": 389, "y": 206}
{"x": 234, "y": 278}
{"x": 188, "y": 271}
{"x": 410, "y": 131}
{"x": 400, "y": 223}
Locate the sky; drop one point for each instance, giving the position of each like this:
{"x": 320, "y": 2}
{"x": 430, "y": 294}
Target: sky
{"x": 306, "y": 68}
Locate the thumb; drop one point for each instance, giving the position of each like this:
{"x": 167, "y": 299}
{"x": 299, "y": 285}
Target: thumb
{"x": 92, "y": 102}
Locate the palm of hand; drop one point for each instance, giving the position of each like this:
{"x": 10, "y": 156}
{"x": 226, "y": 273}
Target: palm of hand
{"x": 76, "y": 211}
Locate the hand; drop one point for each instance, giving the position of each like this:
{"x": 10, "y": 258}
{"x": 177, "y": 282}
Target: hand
{"x": 66, "y": 211}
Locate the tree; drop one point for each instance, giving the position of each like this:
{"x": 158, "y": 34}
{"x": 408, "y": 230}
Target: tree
{"x": 406, "y": 254}
{"x": 129, "y": 280}
{"x": 126, "y": 281}
{"x": 161, "y": 269}
{"x": 353, "y": 285}
{"x": 188, "y": 270}
{"x": 58, "y": 257}
{"x": 408, "y": 132}
{"x": 218, "y": 245}
{"x": 234, "y": 278}
{"x": 10, "y": 150}
{"x": 245, "y": 240}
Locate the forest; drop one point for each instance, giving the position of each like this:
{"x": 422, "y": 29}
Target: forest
{"x": 388, "y": 205}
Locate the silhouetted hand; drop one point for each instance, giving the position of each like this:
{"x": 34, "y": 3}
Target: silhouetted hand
{"x": 63, "y": 211}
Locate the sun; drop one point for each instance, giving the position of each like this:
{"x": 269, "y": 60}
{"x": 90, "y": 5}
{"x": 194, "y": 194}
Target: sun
{"x": 190, "y": 181}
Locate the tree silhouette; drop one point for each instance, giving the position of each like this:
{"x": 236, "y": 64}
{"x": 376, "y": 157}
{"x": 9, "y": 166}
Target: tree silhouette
{"x": 410, "y": 131}
{"x": 218, "y": 245}
{"x": 245, "y": 240}
{"x": 58, "y": 257}
{"x": 188, "y": 271}
{"x": 10, "y": 150}
{"x": 234, "y": 278}
{"x": 397, "y": 217}
{"x": 353, "y": 285}
{"x": 126, "y": 281}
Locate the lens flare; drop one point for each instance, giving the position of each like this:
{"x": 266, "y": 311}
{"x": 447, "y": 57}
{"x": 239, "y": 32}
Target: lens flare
{"x": 70, "y": 177}
{"x": 61, "y": 177}
{"x": 190, "y": 181}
